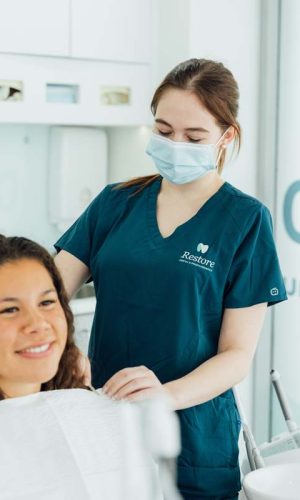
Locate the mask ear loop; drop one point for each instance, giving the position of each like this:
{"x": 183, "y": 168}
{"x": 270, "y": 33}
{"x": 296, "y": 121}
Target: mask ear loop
{"x": 219, "y": 156}
{"x": 221, "y": 148}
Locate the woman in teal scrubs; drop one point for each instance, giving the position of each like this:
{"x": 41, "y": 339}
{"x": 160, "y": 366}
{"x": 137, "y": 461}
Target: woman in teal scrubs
{"x": 184, "y": 266}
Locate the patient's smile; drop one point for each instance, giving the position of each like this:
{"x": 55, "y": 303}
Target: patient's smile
{"x": 37, "y": 351}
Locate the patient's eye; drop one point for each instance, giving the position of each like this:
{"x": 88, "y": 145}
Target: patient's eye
{"x": 49, "y": 302}
{"x": 9, "y": 310}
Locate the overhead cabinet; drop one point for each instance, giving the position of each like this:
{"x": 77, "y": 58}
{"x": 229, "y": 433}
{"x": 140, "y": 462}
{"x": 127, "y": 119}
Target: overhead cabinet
{"x": 39, "y": 27}
{"x": 112, "y": 30}
{"x": 107, "y": 30}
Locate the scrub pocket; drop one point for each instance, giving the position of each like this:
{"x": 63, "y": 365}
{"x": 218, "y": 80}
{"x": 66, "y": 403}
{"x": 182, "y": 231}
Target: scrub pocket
{"x": 210, "y": 433}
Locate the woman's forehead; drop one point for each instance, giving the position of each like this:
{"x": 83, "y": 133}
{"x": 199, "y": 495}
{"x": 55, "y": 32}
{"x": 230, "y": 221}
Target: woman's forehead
{"x": 24, "y": 274}
{"x": 183, "y": 108}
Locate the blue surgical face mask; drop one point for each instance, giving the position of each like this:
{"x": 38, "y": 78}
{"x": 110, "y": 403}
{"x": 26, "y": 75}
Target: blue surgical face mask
{"x": 182, "y": 162}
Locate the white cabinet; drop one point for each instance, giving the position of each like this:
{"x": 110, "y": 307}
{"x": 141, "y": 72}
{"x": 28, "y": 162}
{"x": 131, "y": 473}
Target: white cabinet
{"x": 35, "y": 27}
{"x": 100, "y": 69}
{"x": 114, "y": 30}
{"x": 108, "y": 30}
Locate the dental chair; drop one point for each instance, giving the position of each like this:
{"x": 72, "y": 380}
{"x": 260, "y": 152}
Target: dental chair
{"x": 272, "y": 470}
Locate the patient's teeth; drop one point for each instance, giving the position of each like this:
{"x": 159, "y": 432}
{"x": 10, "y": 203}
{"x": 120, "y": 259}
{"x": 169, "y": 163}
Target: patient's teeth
{"x": 41, "y": 348}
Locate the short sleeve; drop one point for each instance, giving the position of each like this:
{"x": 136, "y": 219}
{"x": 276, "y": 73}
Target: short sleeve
{"x": 255, "y": 275}
{"x": 79, "y": 238}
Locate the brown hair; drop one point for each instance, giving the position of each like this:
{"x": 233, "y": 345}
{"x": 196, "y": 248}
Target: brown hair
{"x": 217, "y": 90}
{"x": 68, "y": 375}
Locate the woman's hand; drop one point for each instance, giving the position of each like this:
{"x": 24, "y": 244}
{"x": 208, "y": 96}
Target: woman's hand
{"x": 133, "y": 384}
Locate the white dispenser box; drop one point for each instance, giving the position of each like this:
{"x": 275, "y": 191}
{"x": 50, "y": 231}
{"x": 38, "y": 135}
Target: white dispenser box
{"x": 77, "y": 171}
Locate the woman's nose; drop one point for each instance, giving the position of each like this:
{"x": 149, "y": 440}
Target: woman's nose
{"x": 178, "y": 137}
{"x": 35, "y": 323}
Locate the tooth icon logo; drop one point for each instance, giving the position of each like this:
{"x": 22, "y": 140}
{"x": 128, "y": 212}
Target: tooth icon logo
{"x": 202, "y": 248}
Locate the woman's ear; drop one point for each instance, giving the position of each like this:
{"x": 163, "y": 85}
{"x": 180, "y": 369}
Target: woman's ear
{"x": 228, "y": 137}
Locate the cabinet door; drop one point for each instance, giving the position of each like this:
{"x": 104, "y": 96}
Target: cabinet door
{"x": 115, "y": 30}
{"x": 35, "y": 27}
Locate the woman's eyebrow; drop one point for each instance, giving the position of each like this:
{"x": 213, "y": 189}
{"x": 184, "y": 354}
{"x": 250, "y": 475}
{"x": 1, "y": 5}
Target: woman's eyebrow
{"x": 190, "y": 129}
{"x": 196, "y": 129}
{"x": 163, "y": 122}
{"x": 15, "y": 299}
{"x": 48, "y": 291}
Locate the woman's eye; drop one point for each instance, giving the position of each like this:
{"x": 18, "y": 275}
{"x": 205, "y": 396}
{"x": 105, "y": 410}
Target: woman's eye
{"x": 164, "y": 133}
{"x": 194, "y": 140}
{"x": 9, "y": 310}
{"x": 47, "y": 303}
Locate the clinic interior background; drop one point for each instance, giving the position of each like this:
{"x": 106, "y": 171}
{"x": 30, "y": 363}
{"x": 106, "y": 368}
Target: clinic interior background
{"x": 80, "y": 118}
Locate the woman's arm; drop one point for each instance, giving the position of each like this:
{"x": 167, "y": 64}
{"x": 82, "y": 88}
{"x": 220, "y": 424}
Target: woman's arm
{"x": 74, "y": 272}
{"x": 239, "y": 335}
{"x": 238, "y": 340}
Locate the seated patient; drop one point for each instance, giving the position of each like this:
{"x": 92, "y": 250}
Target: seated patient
{"x": 37, "y": 350}
{"x": 58, "y": 439}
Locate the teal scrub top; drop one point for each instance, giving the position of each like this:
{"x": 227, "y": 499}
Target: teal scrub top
{"x": 160, "y": 303}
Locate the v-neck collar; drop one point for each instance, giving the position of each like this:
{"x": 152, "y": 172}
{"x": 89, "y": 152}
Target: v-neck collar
{"x": 155, "y": 235}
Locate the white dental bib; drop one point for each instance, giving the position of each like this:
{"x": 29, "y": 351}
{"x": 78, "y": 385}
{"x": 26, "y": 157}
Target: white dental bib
{"x": 74, "y": 445}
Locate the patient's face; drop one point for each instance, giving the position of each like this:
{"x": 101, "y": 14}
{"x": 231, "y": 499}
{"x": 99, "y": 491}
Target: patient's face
{"x": 33, "y": 327}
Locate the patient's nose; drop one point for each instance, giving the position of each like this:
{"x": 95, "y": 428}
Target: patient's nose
{"x": 35, "y": 322}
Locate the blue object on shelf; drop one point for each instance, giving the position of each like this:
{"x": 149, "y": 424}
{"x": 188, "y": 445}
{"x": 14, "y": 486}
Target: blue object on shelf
{"x": 62, "y": 93}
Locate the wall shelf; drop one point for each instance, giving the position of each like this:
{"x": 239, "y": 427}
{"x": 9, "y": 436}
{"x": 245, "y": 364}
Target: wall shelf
{"x": 82, "y": 92}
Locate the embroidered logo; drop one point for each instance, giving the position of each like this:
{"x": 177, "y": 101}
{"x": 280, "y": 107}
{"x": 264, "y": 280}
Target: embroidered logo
{"x": 198, "y": 260}
{"x": 274, "y": 291}
{"x": 202, "y": 248}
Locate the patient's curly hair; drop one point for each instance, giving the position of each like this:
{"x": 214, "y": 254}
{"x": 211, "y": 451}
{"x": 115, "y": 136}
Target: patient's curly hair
{"x": 68, "y": 375}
